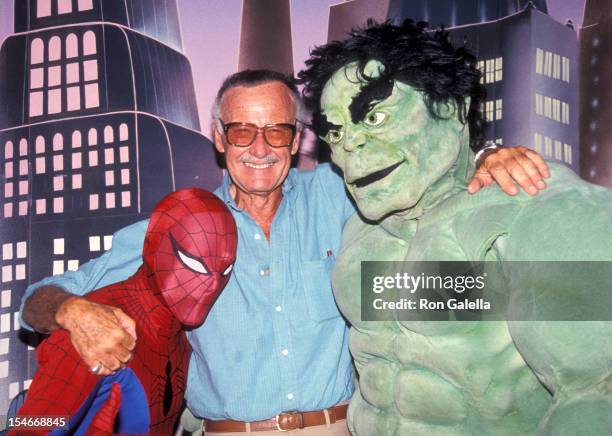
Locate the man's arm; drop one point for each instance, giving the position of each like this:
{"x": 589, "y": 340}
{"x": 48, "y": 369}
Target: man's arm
{"x": 101, "y": 334}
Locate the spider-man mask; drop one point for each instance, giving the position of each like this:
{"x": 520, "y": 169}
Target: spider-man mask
{"x": 190, "y": 249}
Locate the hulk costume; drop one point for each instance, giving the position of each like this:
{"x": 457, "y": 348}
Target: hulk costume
{"x": 406, "y": 161}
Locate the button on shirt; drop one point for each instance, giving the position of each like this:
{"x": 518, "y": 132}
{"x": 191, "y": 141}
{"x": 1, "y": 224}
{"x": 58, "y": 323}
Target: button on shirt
{"x": 274, "y": 341}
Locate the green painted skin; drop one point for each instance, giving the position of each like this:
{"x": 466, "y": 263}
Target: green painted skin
{"x": 463, "y": 378}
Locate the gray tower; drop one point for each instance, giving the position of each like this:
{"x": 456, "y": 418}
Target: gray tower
{"x": 265, "y": 36}
{"x": 596, "y": 92}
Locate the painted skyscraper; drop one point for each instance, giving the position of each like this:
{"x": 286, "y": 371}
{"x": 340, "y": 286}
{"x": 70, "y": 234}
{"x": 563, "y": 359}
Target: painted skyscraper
{"x": 596, "y": 92}
{"x": 98, "y": 120}
{"x": 529, "y": 64}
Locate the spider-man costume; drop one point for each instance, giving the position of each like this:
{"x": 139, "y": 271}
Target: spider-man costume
{"x": 188, "y": 253}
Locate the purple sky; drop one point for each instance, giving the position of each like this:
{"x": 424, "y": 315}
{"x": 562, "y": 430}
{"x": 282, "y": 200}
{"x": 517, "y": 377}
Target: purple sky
{"x": 211, "y": 31}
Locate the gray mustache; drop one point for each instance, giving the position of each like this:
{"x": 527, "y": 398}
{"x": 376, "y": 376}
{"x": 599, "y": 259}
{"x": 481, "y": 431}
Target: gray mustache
{"x": 265, "y": 160}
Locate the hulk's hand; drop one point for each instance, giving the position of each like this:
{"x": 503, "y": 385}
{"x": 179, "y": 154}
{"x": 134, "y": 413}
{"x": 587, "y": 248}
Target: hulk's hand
{"x": 102, "y": 335}
{"x": 508, "y": 165}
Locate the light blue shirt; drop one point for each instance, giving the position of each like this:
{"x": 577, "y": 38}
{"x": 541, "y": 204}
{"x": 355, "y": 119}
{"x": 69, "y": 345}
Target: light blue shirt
{"x": 274, "y": 340}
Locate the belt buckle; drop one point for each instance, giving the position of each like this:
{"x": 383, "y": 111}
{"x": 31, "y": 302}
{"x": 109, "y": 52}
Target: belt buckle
{"x": 278, "y": 427}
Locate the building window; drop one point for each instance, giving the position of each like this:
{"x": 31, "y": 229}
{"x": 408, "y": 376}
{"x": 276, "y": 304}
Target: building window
{"x": 64, "y": 6}
{"x": 556, "y": 110}
{"x": 93, "y": 158}
{"x": 94, "y": 243}
{"x": 8, "y": 149}
{"x": 36, "y": 104}
{"x": 92, "y": 95}
{"x": 489, "y": 110}
{"x": 73, "y": 98}
{"x": 37, "y": 78}
{"x": 58, "y": 142}
{"x": 124, "y": 152}
{"x": 85, "y": 5}
{"x": 23, "y": 167}
{"x": 539, "y": 105}
{"x": 125, "y": 176}
{"x": 89, "y": 43}
{"x": 23, "y": 208}
{"x": 93, "y": 202}
{"x": 76, "y": 161}
{"x": 109, "y": 178}
{"x": 567, "y": 153}
{"x": 537, "y": 143}
{"x": 72, "y": 46}
{"x": 565, "y": 118}
{"x": 491, "y": 70}
{"x": 109, "y": 156}
{"x": 58, "y": 162}
{"x": 54, "y": 101}
{"x": 548, "y": 146}
{"x": 552, "y": 65}
{"x": 7, "y": 251}
{"x": 40, "y": 144}
{"x": 123, "y": 132}
{"x": 41, "y": 206}
{"x": 37, "y": 51}
{"x": 58, "y": 205}
{"x": 58, "y": 267}
{"x": 76, "y": 139}
{"x": 498, "y": 109}
{"x": 40, "y": 165}
{"x": 58, "y": 246}
{"x": 92, "y": 137}
{"x": 498, "y": 69}
{"x": 556, "y": 66}
{"x": 72, "y": 90}
{"x": 565, "y": 68}
{"x": 43, "y": 8}
{"x": 110, "y": 200}
{"x": 108, "y": 135}
{"x": 125, "y": 199}
{"x": 558, "y": 150}
{"x": 23, "y": 147}
{"x": 55, "y": 48}
{"x": 77, "y": 181}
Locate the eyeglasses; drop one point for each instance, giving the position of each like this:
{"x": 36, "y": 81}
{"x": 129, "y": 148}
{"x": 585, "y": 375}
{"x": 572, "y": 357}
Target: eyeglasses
{"x": 243, "y": 134}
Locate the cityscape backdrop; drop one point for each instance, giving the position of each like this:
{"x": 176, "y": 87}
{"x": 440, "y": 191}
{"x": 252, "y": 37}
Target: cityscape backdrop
{"x": 104, "y": 107}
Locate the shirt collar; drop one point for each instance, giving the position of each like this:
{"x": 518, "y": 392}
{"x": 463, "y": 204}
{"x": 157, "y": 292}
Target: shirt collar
{"x": 224, "y": 192}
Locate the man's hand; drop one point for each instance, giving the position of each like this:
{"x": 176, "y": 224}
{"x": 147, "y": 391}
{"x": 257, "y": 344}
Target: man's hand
{"x": 508, "y": 165}
{"x": 102, "y": 335}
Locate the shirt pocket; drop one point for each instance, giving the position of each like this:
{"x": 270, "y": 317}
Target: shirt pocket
{"x": 320, "y": 301}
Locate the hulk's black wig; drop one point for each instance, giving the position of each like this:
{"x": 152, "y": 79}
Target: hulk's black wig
{"x": 423, "y": 59}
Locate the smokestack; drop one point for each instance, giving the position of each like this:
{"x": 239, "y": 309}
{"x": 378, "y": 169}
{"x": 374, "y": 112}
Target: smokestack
{"x": 265, "y": 36}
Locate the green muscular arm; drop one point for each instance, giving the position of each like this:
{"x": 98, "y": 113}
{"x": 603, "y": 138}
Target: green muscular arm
{"x": 573, "y": 359}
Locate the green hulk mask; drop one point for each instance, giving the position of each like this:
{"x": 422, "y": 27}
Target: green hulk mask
{"x": 399, "y": 128}
{"x": 395, "y": 155}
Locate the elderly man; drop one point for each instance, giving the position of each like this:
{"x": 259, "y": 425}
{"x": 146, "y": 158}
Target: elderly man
{"x": 274, "y": 342}
{"x": 398, "y": 106}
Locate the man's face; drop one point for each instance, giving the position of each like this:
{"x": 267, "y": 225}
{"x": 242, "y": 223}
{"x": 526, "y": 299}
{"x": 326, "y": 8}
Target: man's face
{"x": 395, "y": 152}
{"x": 257, "y": 169}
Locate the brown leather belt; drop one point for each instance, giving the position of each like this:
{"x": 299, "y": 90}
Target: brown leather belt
{"x": 283, "y": 422}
